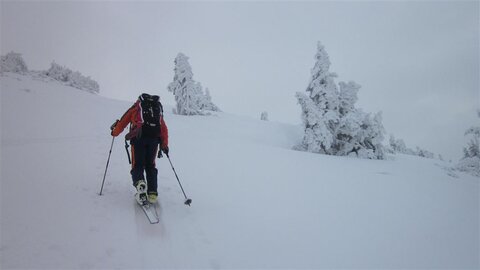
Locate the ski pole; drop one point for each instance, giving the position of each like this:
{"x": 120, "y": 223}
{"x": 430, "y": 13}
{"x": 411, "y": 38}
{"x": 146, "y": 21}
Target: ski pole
{"x": 187, "y": 200}
{"x": 108, "y": 161}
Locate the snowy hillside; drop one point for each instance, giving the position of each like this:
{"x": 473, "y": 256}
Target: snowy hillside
{"x": 256, "y": 203}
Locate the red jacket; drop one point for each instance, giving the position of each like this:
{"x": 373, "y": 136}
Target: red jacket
{"x": 133, "y": 116}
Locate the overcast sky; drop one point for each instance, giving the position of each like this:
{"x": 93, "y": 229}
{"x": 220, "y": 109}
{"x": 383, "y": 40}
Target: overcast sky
{"x": 417, "y": 61}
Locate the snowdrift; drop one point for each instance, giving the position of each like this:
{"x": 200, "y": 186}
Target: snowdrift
{"x": 256, "y": 203}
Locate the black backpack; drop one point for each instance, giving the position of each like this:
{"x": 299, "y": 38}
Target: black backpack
{"x": 152, "y": 112}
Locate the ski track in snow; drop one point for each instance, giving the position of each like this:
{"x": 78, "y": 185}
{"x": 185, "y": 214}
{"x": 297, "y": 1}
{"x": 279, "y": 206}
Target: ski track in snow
{"x": 256, "y": 203}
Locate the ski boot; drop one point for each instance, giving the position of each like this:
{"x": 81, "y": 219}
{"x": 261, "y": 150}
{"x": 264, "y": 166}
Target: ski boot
{"x": 141, "y": 195}
{"x": 152, "y": 197}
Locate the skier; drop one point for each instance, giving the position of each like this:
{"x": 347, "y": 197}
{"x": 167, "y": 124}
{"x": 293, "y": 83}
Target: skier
{"x": 147, "y": 131}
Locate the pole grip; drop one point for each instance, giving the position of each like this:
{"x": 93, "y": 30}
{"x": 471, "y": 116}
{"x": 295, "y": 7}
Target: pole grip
{"x": 159, "y": 155}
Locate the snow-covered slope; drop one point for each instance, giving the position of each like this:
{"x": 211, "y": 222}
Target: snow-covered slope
{"x": 256, "y": 203}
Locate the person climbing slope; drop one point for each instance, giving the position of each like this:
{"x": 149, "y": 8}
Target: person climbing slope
{"x": 147, "y": 130}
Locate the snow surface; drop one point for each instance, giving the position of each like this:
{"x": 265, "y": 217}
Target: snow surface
{"x": 256, "y": 203}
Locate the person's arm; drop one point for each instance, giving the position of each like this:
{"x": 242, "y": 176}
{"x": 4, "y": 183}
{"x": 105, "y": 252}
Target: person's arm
{"x": 163, "y": 136}
{"x": 123, "y": 122}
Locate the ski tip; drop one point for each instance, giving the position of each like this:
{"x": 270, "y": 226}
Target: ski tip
{"x": 188, "y": 202}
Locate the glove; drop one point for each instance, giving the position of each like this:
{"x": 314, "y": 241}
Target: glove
{"x": 165, "y": 150}
{"x": 112, "y": 127}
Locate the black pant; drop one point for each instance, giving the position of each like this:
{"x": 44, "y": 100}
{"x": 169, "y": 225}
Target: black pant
{"x": 144, "y": 152}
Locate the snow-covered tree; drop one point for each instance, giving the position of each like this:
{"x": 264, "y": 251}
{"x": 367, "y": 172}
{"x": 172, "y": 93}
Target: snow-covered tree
{"x": 358, "y": 132}
{"x": 348, "y": 97}
{"x": 332, "y": 123}
{"x": 72, "y": 78}
{"x": 320, "y": 107}
{"x": 322, "y": 88}
{"x": 349, "y": 133}
{"x": 471, "y": 153}
{"x": 13, "y": 62}
{"x": 188, "y": 93}
{"x": 183, "y": 87}
{"x": 264, "y": 116}
{"x": 317, "y": 138}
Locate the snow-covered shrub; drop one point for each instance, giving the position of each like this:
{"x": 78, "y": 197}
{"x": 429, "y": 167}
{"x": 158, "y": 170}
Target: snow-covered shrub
{"x": 264, "y": 116}
{"x": 332, "y": 123}
{"x": 13, "y": 62}
{"x": 373, "y": 136}
{"x": 471, "y": 153}
{"x": 398, "y": 146}
{"x": 207, "y": 103}
{"x": 424, "y": 153}
{"x": 72, "y": 78}
{"x": 469, "y": 165}
{"x": 58, "y": 72}
{"x": 189, "y": 94}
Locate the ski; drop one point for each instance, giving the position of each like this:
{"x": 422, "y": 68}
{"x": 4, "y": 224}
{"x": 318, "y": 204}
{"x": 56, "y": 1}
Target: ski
{"x": 150, "y": 211}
